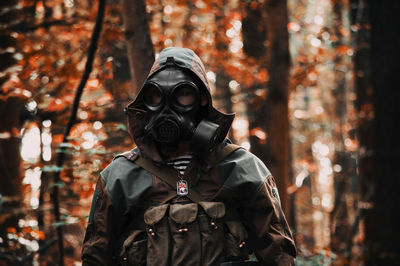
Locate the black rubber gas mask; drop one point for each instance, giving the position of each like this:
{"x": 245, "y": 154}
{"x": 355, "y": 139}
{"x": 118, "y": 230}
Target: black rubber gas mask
{"x": 173, "y": 101}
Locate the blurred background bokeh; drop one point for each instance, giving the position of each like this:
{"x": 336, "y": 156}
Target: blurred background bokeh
{"x": 311, "y": 82}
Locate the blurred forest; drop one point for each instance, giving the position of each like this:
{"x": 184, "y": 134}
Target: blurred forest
{"x": 312, "y": 83}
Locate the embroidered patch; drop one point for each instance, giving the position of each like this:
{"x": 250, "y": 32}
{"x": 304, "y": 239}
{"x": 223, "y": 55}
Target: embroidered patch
{"x": 131, "y": 155}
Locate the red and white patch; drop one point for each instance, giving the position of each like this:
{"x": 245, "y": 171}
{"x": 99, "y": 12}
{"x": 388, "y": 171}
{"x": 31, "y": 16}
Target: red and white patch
{"x": 182, "y": 188}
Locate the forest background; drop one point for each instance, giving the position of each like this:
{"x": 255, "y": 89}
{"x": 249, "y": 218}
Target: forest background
{"x": 312, "y": 84}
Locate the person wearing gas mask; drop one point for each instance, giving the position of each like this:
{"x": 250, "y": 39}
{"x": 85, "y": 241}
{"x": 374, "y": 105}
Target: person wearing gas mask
{"x": 185, "y": 195}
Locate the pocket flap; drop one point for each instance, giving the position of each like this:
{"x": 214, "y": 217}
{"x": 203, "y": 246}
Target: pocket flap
{"x": 214, "y": 210}
{"x": 237, "y": 229}
{"x": 155, "y": 214}
{"x": 183, "y": 213}
{"x": 128, "y": 241}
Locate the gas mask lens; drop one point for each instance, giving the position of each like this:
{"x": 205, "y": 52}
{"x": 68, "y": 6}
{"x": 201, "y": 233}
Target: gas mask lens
{"x": 185, "y": 97}
{"x": 152, "y": 95}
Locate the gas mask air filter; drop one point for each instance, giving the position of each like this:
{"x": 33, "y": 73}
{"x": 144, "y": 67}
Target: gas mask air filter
{"x": 205, "y": 137}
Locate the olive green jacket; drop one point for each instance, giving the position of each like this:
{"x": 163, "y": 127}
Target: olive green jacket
{"x": 241, "y": 181}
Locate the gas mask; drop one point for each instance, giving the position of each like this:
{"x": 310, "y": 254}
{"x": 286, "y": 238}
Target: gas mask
{"x": 174, "y": 105}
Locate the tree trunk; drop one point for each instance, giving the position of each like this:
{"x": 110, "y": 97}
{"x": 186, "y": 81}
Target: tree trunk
{"x": 339, "y": 216}
{"x": 222, "y": 90}
{"x": 360, "y": 20}
{"x": 277, "y": 125}
{"x": 271, "y": 116}
{"x": 139, "y": 45}
{"x": 10, "y": 106}
{"x": 10, "y": 181}
{"x": 381, "y": 222}
{"x": 10, "y": 160}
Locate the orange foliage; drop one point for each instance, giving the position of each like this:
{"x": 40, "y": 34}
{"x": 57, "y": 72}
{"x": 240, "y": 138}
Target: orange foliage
{"x": 260, "y": 134}
{"x": 38, "y": 234}
{"x": 106, "y": 98}
{"x": 57, "y": 139}
{"x": 27, "y": 230}
{"x": 343, "y": 49}
{"x": 11, "y": 230}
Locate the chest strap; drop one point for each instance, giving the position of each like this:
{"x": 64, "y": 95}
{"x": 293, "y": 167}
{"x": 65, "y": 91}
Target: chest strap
{"x": 171, "y": 176}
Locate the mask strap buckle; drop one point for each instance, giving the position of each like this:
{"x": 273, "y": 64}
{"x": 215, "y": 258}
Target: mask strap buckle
{"x": 170, "y": 61}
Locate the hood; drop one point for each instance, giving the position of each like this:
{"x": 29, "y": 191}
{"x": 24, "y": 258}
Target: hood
{"x": 137, "y": 115}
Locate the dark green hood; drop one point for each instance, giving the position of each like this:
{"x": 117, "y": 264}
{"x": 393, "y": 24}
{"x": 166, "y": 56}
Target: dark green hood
{"x": 137, "y": 116}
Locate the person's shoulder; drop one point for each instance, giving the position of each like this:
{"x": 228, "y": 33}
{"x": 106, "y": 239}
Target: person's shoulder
{"x": 125, "y": 179}
{"x": 120, "y": 166}
{"x": 123, "y": 169}
{"x": 241, "y": 152}
{"x": 243, "y": 170}
{"x": 244, "y": 158}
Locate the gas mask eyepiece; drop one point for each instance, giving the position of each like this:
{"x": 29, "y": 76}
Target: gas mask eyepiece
{"x": 153, "y": 96}
{"x": 183, "y": 97}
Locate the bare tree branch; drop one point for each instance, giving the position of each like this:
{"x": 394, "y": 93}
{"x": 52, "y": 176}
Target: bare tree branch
{"x": 61, "y": 156}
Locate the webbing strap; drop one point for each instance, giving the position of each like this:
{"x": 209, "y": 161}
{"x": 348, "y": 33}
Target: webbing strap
{"x": 170, "y": 175}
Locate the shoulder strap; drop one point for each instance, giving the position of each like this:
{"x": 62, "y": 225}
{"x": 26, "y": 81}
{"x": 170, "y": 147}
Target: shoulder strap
{"x": 169, "y": 175}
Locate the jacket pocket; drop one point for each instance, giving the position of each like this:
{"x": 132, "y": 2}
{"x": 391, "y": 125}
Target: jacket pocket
{"x": 185, "y": 234}
{"x": 212, "y": 232}
{"x": 158, "y": 236}
{"x": 235, "y": 241}
{"x": 134, "y": 249}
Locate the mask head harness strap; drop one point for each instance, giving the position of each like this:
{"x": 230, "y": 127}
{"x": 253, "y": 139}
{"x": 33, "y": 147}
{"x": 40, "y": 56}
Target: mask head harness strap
{"x": 170, "y": 61}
